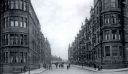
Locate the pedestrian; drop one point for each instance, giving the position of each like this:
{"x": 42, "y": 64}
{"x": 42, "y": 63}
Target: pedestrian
{"x": 62, "y": 65}
{"x": 59, "y": 65}
{"x": 82, "y": 65}
{"x": 95, "y": 66}
{"x": 56, "y": 65}
{"x": 99, "y": 68}
{"x": 67, "y": 67}
{"x": 49, "y": 67}
{"x": 25, "y": 67}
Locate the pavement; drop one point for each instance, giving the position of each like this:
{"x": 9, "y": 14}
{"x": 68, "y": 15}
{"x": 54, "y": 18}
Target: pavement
{"x": 103, "y": 70}
{"x": 36, "y": 71}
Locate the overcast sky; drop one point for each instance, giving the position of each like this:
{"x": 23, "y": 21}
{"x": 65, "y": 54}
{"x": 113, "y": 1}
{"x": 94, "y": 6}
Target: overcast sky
{"x": 61, "y": 20}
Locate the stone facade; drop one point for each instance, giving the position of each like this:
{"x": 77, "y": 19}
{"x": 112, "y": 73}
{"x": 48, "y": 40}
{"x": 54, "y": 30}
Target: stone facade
{"x": 22, "y": 43}
{"x": 102, "y": 40}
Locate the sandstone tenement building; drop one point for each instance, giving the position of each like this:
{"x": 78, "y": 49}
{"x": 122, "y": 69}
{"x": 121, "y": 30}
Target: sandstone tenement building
{"x": 103, "y": 39}
{"x": 21, "y": 42}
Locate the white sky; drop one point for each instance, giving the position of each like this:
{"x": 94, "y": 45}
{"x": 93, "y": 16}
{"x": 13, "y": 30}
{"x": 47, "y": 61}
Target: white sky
{"x": 61, "y": 20}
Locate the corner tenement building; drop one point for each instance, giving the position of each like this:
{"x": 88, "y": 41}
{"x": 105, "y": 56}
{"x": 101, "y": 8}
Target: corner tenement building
{"x": 22, "y": 45}
{"x": 103, "y": 39}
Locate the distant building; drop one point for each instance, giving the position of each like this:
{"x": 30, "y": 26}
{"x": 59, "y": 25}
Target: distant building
{"x": 56, "y": 59}
{"x": 103, "y": 39}
{"x": 22, "y": 45}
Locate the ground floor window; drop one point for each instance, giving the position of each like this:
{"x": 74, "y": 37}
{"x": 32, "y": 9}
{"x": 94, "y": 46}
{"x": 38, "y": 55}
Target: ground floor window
{"x": 115, "y": 50}
{"x": 107, "y": 50}
{"x": 14, "y": 57}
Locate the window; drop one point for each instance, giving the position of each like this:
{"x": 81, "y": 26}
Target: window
{"x": 16, "y": 4}
{"x": 107, "y": 50}
{"x": 14, "y": 57}
{"x": 21, "y": 57}
{"x": 102, "y": 21}
{"x": 25, "y": 25}
{"x": 12, "y": 23}
{"x": 16, "y": 39}
{"x": 118, "y": 18}
{"x": 24, "y": 22}
{"x": 114, "y": 34}
{"x": 5, "y": 57}
{"x": 6, "y": 39}
{"x": 121, "y": 50}
{"x": 6, "y": 22}
{"x": 11, "y": 39}
{"x": 25, "y": 40}
{"x": 21, "y": 5}
{"x": 12, "y": 4}
{"x": 113, "y": 3}
{"x": 113, "y": 19}
{"x": 21, "y": 39}
{"x": 107, "y": 34}
{"x": 109, "y": 3}
{"x": 16, "y": 23}
{"x": 5, "y": 5}
{"x": 24, "y": 6}
{"x": 114, "y": 50}
{"x": 107, "y": 19}
{"x": 119, "y": 34}
{"x": 106, "y": 4}
{"x": 3, "y": 39}
{"x": 21, "y": 24}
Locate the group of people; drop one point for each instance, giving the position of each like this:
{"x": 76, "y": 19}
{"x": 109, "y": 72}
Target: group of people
{"x": 47, "y": 66}
{"x": 98, "y": 67}
{"x": 61, "y": 65}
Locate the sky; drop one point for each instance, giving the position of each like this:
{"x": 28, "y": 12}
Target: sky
{"x": 61, "y": 20}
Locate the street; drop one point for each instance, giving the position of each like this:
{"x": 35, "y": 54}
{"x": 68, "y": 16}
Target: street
{"x": 75, "y": 70}
{"x": 72, "y": 70}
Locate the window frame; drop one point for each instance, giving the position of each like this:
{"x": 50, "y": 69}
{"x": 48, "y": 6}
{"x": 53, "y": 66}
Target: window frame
{"x": 107, "y": 53}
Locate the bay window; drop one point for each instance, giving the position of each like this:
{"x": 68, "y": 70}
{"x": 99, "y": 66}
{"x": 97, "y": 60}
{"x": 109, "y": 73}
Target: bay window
{"x": 14, "y": 22}
{"x": 17, "y": 4}
{"x": 14, "y": 39}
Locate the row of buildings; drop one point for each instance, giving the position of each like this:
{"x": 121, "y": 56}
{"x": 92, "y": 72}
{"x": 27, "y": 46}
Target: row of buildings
{"x": 22, "y": 44}
{"x": 103, "y": 38}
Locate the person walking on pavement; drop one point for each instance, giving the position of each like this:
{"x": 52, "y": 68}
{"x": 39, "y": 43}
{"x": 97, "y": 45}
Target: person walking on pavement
{"x": 67, "y": 67}
{"x": 56, "y": 65}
